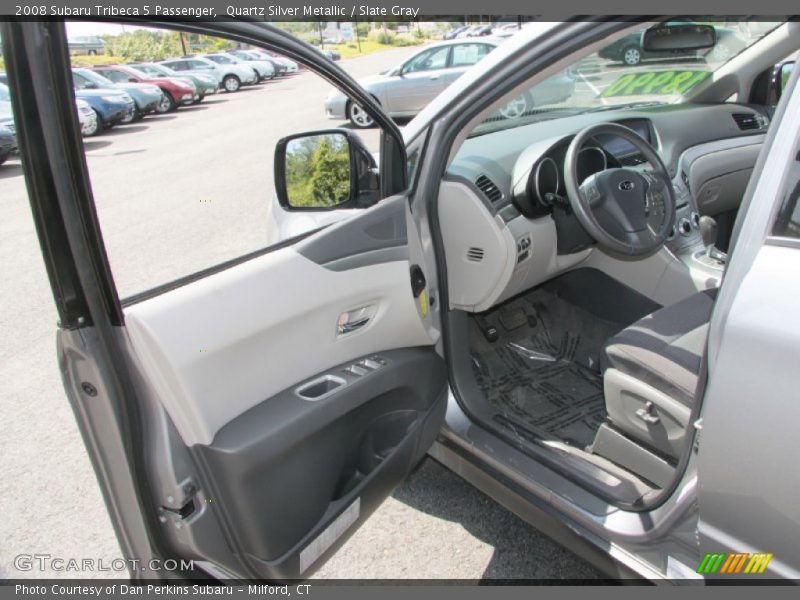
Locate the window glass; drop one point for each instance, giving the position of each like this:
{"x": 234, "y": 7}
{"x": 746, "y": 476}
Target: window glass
{"x": 465, "y": 55}
{"x": 199, "y": 185}
{"x": 116, "y": 76}
{"x": 435, "y": 58}
{"x": 624, "y": 74}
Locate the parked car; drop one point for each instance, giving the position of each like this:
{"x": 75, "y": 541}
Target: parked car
{"x": 90, "y": 45}
{"x": 206, "y": 84}
{"x": 112, "y": 107}
{"x": 8, "y": 143}
{"x": 225, "y": 59}
{"x": 230, "y": 77}
{"x": 175, "y": 91}
{"x": 405, "y": 90}
{"x": 8, "y": 138}
{"x": 628, "y": 50}
{"x": 291, "y": 66}
{"x": 146, "y": 98}
{"x": 330, "y": 54}
{"x": 86, "y": 117}
{"x": 264, "y": 68}
{"x": 451, "y": 34}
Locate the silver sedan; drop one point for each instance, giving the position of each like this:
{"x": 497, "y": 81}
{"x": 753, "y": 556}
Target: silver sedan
{"x": 406, "y": 89}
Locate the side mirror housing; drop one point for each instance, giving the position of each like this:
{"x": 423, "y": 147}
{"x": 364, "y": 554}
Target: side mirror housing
{"x": 678, "y": 37}
{"x": 325, "y": 170}
{"x": 133, "y": 79}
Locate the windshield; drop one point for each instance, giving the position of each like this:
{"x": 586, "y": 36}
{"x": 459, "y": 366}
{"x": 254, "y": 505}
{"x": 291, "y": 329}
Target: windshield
{"x": 625, "y": 74}
{"x": 96, "y": 78}
{"x": 223, "y": 60}
{"x": 4, "y": 95}
{"x": 156, "y": 70}
{"x": 137, "y": 73}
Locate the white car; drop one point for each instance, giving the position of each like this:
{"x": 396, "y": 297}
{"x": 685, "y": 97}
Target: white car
{"x": 261, "y": 69}
{"x": 230, "y": 77}
{"x": 86, "y": 116}
{"x": 290, "y": 65}
{"x": 265, "y": 69}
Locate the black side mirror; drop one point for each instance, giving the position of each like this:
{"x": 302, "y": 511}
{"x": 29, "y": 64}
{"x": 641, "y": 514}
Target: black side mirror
{"x": 325, "y": 170}
{"x": 90, "y": 85}
{"x": 678, "y": 37}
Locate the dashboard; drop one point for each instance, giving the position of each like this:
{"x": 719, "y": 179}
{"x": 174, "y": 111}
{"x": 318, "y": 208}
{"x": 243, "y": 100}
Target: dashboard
{"x": 517, "y": 177}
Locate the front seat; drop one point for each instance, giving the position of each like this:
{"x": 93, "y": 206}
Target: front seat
{"x": 651, "y": 371}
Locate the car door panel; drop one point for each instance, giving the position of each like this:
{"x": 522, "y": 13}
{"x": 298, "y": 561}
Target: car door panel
{"x": 207, "y": 405}
{"x": 295, "y": 448}
{"x": 287, "y": 469}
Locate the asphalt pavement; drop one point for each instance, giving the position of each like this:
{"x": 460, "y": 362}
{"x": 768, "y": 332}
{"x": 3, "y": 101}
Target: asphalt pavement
{"x": 176, "y": 193}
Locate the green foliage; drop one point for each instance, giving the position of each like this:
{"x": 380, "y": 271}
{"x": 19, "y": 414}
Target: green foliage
{"x": 143, "y": 44}
{"x": 382, "y": 37}
{"x": 216, "y": 44}
{"x": 91, "y": 61}
{"x": 402, "y": 41}
{"x": 318, "y": 171}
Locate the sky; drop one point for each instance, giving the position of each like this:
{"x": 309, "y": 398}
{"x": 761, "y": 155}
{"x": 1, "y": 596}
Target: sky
{"x": 78, "y": 28}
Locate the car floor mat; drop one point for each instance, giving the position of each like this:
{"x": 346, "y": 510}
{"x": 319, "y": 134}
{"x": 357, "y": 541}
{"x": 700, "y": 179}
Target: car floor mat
{"x": 544, "y": 376}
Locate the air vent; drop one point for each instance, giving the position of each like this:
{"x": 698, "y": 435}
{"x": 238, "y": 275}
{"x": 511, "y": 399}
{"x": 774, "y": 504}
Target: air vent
{"x": 475, "y": 254}
{"x": 489, "y": 189}
{"x": 747, "y": 121}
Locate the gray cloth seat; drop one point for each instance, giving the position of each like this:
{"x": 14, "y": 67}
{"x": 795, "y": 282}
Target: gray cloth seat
{"x": 664, "y": 349}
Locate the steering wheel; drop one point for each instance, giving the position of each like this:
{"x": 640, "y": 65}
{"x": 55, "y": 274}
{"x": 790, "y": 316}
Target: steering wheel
{"x": 616, "y": 206}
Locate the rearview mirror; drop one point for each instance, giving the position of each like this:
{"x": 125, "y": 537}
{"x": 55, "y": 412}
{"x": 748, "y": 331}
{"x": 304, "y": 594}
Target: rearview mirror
{"x": 325, "y": 170}
{"x": 677, "y": 37}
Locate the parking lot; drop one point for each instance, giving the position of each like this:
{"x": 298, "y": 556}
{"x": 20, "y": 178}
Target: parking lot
{"x": 175, "y": 193}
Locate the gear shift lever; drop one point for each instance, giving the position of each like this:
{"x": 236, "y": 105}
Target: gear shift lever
{"x": 708, "y": 231}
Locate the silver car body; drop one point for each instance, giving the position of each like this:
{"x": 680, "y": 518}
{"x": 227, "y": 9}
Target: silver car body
{"x": 405, "y": 90}
{"x": 263, "y": 67}
{"x": 86, "y": 116}
{"x": 200, "y": 65}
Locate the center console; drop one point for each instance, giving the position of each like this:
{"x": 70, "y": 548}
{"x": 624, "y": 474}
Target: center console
{"x": 687, "y": 241}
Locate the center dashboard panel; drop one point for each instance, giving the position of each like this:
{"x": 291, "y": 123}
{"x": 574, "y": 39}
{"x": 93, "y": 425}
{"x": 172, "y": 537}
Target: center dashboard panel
{"x": 514, "y": 178}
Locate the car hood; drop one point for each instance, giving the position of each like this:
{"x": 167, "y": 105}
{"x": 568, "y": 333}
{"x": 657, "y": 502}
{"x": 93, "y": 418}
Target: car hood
{"x": 135, "y": 87}
{"x": 102, "y": 92}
